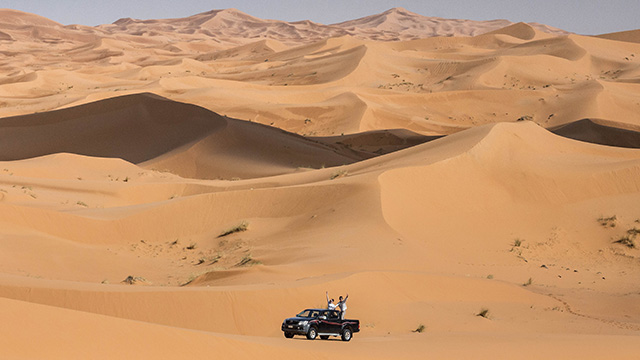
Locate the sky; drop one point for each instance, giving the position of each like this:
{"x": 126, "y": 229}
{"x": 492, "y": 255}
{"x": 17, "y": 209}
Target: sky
{"x": 588, "y": 17}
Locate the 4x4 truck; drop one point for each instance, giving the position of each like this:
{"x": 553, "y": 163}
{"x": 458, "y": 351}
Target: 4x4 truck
{"x": 320, "y": 322}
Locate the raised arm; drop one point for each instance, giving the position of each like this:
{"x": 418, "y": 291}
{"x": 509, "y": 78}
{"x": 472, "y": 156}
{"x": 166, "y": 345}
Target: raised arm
{"x": 327, "y": 294}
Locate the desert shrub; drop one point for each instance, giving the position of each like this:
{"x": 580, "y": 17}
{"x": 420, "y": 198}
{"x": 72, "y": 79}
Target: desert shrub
{"x": 339, "y": 174}
{"x": 243, "y": 226}
{"x": 131, "y": 280}
{"x": 627, "y": 241}
{"x": 247, "y": 261}
{"x": 608, "y": 221}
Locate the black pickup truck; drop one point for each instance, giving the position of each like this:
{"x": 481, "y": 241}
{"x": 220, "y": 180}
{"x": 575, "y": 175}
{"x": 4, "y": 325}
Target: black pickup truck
{"x": 320, "y": 322}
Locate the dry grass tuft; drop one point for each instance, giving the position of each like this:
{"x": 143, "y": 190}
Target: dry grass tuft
{"x": 132, "y": 280}
{"x": 243, "y": 226}
{"x": 247, "y": 261}
{"x": 608, "y": 222}
{"x": 339, "y": 174}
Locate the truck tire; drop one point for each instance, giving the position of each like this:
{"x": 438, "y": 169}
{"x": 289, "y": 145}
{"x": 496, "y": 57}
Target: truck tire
{"x": 346, "y": 334}
{"x": 288, "y": 335}
{"x": 312, "y": 333}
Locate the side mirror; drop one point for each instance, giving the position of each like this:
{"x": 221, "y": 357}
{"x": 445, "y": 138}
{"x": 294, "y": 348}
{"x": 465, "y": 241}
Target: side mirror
{"x": 322, "y": 317}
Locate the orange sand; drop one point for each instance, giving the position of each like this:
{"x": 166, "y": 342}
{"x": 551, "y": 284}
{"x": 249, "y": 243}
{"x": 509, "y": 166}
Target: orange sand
{"x": 365, "y": 157}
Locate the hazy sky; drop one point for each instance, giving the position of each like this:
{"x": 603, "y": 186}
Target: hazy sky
{"x": 580, "y": 16}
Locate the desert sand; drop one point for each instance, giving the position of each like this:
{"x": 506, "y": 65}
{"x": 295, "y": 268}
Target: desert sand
{"x": 433, "y": 169}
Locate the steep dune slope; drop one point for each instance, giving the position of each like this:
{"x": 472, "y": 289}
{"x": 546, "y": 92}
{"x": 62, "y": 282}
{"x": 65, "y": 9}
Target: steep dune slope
{"x": 135, "y": 128}
{"x": 628, "y": 36}
{"x": 599, "y": 132}
{"x": 187, "y": 140}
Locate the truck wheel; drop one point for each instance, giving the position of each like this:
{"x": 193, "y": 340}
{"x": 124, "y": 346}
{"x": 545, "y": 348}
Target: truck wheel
{"x": 346, "y": 334}
{"x": 312, "y": 333}
{"x": 324, "y": 337}
{"x": 288, "y": 335}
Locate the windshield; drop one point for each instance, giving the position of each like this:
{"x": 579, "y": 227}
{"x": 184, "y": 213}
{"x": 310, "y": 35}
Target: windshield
{"x": 309, "y": 313}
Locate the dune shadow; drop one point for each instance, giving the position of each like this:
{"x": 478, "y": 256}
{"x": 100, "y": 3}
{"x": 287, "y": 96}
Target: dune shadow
{"x": 592, "y": 131}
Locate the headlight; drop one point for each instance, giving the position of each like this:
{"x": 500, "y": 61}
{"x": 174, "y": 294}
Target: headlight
{"x": 303, "y": 323}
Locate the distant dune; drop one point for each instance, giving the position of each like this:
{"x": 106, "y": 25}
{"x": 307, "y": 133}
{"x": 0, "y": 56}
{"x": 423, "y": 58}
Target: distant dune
{"x": 163, "y": 134}
{"x": 176, "y": 188}
{"x": 598, "y": 133}
{"x": 231, "y": 26}
{"x": 135, "y": 128}
{"x": 629, "y": 36}
{"x": 407, "y": 25}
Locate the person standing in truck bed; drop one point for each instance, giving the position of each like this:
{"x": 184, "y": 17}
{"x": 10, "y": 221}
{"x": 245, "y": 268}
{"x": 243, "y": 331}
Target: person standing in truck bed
{"x": 330, "y": 304}
{"x": 342, "y": 305}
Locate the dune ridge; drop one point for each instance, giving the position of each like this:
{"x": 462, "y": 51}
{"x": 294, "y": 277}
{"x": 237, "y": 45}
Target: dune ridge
{"x": 166, "y": 135}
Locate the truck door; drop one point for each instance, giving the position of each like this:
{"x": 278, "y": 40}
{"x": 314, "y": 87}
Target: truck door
{"x": 334, "y": 322}
{"x": 323, "y": 323}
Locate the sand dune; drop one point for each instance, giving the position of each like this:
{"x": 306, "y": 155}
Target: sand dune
{"x": 21, "y": 26}
{"x": 504, "y": 158}
{"x": 396, "y": 84}
{"x": 394, "y": 24}
{"x": 166, "y": 135}
{"x": 401, "y": 24}
{"x": 175, "y": 188}
{"x": 17, "y": 18}
{"x": 134, "y": 128}
{"x": 598, "y": 132}
{"x": 379, "y": 142}
{"x": 628, "y": 36}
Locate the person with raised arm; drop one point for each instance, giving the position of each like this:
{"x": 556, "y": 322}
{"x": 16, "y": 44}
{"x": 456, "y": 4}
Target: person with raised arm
{"x": 330, "y": 304}
{"x": 342, "y": 305}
